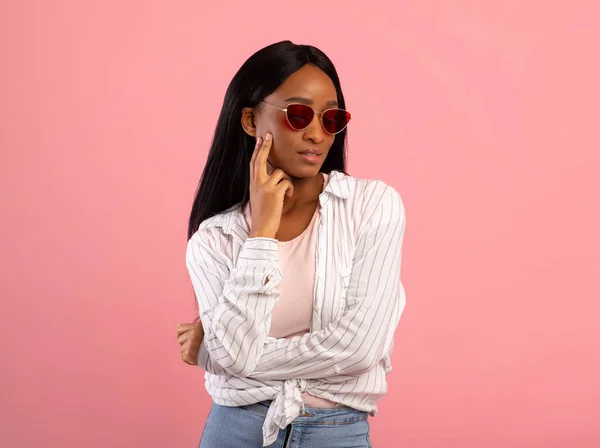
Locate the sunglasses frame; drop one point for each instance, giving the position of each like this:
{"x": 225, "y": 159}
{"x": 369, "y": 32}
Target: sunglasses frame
{"x": 314, "y": 114}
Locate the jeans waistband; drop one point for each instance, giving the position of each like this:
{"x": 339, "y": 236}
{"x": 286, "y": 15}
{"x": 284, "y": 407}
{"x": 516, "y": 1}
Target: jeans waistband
{"x": 338, "y": 415}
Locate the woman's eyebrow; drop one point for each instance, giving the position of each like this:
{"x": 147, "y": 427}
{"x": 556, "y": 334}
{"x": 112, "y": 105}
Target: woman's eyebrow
{"x": 300, "y": 99}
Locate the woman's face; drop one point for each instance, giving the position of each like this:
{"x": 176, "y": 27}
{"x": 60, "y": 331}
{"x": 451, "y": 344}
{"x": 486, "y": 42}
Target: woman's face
{"x": 309, "y": 86}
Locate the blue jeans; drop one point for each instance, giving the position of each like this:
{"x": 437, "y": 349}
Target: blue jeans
{"x": 241, "y": 427}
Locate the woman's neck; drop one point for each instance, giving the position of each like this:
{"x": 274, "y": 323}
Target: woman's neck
{"x": 306, "y": 191}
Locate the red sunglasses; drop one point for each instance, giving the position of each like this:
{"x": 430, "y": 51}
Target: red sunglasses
{"x": 300, "y": 116}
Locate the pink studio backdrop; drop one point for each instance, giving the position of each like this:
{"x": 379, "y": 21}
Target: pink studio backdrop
{"x": 484, "y": 115}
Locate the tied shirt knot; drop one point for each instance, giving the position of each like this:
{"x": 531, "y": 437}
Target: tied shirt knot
{"x": 285, "y": 407}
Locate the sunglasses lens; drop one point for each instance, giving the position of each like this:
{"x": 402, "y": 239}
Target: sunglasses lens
{"x": 335, "y": 120}
{"x": 299, "y": 116}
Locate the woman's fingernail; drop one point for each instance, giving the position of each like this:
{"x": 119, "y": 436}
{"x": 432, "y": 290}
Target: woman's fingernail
{"x": 268, "y": 137}
{"x": 258, "y": 140}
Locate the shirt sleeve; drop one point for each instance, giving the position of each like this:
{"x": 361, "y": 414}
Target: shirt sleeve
{"x": 235, "y": 304}
{"x": 205, "y": 362}
{"x": 364, "y": 335}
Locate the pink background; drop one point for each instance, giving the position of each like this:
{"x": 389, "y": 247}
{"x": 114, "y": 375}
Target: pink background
{"x": 484, "y": 115}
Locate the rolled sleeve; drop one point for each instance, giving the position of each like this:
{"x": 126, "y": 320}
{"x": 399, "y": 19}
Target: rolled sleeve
{"x": 235, "y": 313}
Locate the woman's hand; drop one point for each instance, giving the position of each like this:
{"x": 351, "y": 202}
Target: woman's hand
{"x": 267, "y": 191}
{"x": 190, "y": 337}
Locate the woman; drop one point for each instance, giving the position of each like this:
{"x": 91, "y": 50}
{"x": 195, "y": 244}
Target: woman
{"x": 294, "y": 263}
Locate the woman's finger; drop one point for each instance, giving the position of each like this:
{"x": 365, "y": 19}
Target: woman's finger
{"x": 260, "y": 163}
{"x": 187, "y": 356}
{"x": 183, "y": 338}
{"x": 253, "y": 159}
{"x": 277, "y": 176}
{"x": 284, "y": 186}
{"x": 182, "y": 328}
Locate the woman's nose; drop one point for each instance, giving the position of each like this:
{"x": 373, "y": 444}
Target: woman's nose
{"x": 315, "y": 131}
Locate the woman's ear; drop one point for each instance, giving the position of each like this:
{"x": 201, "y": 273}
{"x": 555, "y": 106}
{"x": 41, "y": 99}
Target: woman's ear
{"x": 248, "y": 121}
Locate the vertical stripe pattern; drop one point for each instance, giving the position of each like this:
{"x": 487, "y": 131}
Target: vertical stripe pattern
{"x": 358, "y": 301}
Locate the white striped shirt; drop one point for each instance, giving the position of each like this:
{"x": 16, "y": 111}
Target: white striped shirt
{"x": 358, "y": 301}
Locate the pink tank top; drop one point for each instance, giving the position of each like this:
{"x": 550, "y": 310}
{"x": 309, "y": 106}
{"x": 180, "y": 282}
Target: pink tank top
{"x": 293, "y": 312}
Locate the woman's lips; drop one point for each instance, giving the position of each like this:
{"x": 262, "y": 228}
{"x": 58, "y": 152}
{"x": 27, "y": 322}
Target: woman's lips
{"x": 310, "y": 157}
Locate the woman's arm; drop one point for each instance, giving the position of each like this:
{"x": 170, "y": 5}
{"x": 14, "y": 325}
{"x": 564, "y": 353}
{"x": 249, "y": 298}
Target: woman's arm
{"x": 352, "y": 344}
{"x": 205, "y": 363}
{"x": 359, "y": 339}
{"x": 193, "y": 351}
{"x": 235, "y": 312}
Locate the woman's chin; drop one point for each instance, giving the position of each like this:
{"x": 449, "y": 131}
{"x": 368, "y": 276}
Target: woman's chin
{"x": 304, "y": 172}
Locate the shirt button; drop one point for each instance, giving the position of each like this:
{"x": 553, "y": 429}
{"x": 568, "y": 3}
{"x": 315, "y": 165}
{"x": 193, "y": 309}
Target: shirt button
{"x": 336, "y": 369}
{"x": 317, "y": 308}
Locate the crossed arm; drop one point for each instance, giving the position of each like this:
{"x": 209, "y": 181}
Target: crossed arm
{"x": 236, "y": 312}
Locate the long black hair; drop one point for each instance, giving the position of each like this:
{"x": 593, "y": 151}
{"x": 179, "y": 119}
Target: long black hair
{"x": 225, "y": 180}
